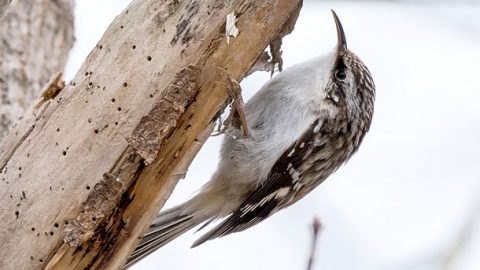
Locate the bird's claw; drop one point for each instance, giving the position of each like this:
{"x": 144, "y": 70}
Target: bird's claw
{"x": 236, "y": 116}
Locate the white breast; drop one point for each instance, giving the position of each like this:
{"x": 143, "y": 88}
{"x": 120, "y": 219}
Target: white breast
{"x": 277, "y": 115}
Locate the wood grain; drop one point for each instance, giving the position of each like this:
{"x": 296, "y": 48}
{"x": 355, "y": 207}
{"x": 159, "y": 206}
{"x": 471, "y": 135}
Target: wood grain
{"x": 88, "y": 193}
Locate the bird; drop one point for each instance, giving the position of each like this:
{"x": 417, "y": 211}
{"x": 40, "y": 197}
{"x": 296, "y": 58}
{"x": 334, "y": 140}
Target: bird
{"x": 304, "y": 123}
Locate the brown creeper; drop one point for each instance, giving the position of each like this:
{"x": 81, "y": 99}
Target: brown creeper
{"x": 303, "y": 124}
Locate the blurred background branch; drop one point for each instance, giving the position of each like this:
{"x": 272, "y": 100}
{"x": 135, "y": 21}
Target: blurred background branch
{"x": 36, "y": 38}
{"x": 460, "y": 244}
{"x": 316, "y": 226}
{"x": 3, "y": 7}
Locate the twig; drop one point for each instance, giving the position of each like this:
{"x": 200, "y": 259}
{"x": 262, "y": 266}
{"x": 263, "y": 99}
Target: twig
{"x": 316, "y": 229}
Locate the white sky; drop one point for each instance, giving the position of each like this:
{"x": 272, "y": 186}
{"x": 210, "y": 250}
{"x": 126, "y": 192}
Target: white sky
{"x": 403, "y": 199}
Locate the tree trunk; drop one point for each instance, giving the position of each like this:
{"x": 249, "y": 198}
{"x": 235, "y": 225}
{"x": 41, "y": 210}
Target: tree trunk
{"x": 35, "y": 38}
{"x": 88, "y": 168}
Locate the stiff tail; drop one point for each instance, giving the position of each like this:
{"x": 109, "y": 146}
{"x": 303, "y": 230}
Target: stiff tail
{"x": 167, "y": 226}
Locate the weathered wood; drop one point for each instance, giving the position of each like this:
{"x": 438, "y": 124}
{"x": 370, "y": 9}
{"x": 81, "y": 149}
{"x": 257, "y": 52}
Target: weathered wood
{"x": 35, "y": 38}
{"x": 74, "y": 193}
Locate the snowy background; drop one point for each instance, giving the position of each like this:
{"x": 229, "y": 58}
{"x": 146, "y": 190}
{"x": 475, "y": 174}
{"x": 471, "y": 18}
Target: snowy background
{"x": 410, "y": 198}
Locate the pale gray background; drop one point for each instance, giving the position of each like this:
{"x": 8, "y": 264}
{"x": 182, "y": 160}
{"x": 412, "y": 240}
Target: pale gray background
{"x": 410, "y": 194}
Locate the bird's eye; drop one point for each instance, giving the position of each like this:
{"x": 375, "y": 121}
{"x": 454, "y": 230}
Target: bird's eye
{"x": 340, "y": 75}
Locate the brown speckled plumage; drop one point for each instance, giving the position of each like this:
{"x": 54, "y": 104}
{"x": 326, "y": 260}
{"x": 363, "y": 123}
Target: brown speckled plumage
{"x": 304, "y": 124}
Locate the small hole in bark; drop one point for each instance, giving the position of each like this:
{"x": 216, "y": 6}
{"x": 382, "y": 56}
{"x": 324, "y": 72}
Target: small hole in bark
{"x": 89, "y": 120}
{"x": 121, "y": 27}
{"x": 28, "y": 154}
{"x": 119, "y": 109}
{"x": 66, "y": 222}
{"x": 58, "y": 129}
{"x": 116, "y": 123}
{"x": 40, "y": 260}
{"x": 94, "y": 218}
{"x": 134, "y": 47}
{"x": 50, "y": 187}
{"x": 100, "y": 47}
{"x": 19, "y": 168}
{"x": 90, "y": 83}
{"x": 17, "y": 213}
{"x": 149, "y": 58}
{"x": 51, "y": 233}
{"x": 86, "y": 73}
{"x": 125, "y": 84}
{"x": 87, "y": 187}
{"x": 113, "y": 100}
{"x": 96, "y": 131}
{"x": 151, "y": 95}
{"x": 33, "y": 229}
{"x": 64, "y": 153}
{"x": 56, "y": 225}
{"x": 90, "y": 73}
{"x": 19, "y": 175}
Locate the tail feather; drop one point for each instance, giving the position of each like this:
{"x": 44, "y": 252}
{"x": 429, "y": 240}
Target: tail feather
{"x": 166, "y": 227}
{"x": 161, "y": 238}
{"x": 156, "y": 230}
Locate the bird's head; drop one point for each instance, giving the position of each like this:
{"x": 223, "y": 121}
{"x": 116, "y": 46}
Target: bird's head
{"x": 350, "y": 85}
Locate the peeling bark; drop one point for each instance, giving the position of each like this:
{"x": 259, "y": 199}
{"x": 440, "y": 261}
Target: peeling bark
{"x": 36, "y": 37}
{"x": 157, "y": 77}
{"x": 150, "y": 133}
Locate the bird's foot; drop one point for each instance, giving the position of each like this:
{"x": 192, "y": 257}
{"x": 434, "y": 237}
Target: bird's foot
{"x": 236, "y": 117}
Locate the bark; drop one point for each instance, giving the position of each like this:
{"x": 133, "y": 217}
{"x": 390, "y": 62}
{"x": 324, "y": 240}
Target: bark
{"x": 36, "y": 37}
{"x": 85, "y": 172}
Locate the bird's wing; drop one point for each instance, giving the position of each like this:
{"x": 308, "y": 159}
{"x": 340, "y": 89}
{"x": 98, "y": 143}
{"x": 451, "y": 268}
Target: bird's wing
{"x": 283, "y": 184}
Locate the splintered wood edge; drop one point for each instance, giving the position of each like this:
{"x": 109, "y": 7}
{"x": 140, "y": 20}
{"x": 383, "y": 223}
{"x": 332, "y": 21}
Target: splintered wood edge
{"x": 144, "y": 190}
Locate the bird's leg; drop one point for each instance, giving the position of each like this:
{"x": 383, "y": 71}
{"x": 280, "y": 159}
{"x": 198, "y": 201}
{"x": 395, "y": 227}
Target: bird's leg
{"x": 237, "y": 114}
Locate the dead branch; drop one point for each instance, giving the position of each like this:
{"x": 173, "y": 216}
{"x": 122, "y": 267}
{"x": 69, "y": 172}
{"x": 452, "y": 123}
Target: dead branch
{"x": 75, "y": 193}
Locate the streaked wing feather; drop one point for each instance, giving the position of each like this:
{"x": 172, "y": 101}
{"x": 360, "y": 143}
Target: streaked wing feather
{"x": 281, "y": 186}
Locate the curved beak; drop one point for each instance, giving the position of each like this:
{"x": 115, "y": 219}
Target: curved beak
{"x": 342, "y": 40}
